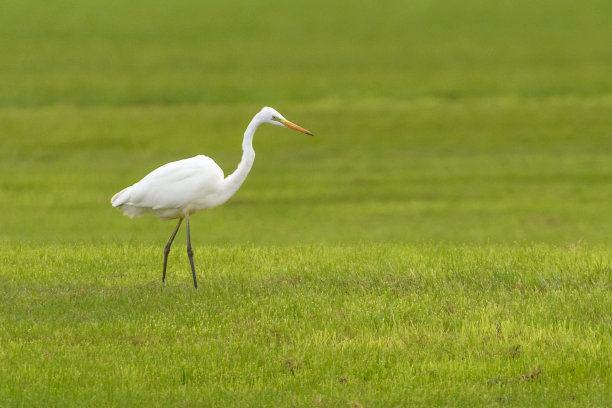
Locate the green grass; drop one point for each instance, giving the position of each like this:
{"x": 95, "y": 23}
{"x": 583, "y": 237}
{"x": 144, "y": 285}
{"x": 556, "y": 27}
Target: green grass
{"x": 382, "y": 325}
{"x": 443, "y": 240}
{"x": 493, "y": 170}
{"x": 153, "y": 52}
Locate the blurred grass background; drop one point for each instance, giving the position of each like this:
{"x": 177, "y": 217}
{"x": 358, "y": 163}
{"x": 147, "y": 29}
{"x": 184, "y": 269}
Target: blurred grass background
{"x": 188, "y": 51}
{"x": 470, "y": 121}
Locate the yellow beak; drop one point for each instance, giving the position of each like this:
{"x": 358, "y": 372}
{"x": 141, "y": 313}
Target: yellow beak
{"x": 294, "y": 126}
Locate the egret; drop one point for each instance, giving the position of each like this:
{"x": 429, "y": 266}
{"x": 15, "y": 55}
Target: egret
{"x": 180, "y": 188}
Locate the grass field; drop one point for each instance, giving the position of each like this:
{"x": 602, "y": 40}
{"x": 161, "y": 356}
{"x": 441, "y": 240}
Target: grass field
{"x": 376, "y": 325}
{"x": 444, "y": 239}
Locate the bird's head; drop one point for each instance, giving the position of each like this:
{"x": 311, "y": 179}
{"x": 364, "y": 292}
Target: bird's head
{"x": 271, "y": 115}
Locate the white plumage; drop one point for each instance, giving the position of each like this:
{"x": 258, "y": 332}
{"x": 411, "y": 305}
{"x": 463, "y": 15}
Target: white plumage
{"x": 175, "y": 189}
{"x": 180, "y": 188}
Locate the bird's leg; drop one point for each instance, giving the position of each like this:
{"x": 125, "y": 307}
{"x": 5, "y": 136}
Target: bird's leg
{"x": 190, "y": 253}
{"x": 167, "y": 248}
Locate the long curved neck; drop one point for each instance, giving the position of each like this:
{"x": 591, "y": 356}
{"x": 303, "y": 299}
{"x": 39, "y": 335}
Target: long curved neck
{"x": 233, "y": 182}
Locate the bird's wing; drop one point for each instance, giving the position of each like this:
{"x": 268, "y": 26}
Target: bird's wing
{"x": 176, "y": 184}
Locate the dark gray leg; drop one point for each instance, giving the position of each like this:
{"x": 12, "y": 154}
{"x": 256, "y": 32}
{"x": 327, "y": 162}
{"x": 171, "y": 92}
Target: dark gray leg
{"x": 190, "y": 254}
{"x": 167, "y": 248}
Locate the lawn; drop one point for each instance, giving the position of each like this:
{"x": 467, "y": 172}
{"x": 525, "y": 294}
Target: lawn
{"x": 375, "y": 325}
{"x": 444, "y": 239}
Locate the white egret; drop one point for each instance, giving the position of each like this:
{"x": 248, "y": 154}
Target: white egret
{"x": 179, "y": 189}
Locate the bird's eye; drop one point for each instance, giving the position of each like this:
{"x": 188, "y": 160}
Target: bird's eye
{"x": 276, "y": 118}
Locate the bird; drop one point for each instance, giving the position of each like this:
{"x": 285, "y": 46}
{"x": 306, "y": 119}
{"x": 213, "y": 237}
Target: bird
{"x": 180, "y": 188}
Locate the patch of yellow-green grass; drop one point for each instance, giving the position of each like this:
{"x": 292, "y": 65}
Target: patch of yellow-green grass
{"x": 376, "y": 325}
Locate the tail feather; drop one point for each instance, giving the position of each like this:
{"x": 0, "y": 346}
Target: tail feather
{"x": 121, "y": 197}
{"x": 121, "y": 200}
